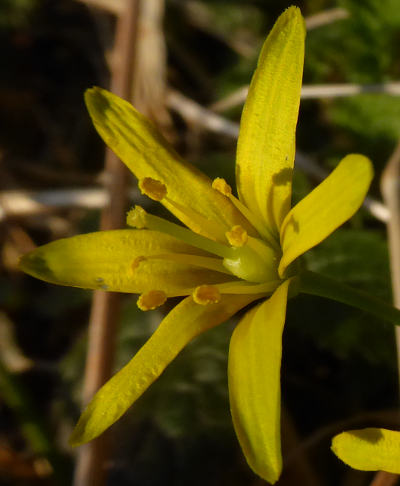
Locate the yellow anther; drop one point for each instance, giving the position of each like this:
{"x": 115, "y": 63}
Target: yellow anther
{"x": 237, "y": 236}
{"x": 151, "y": 300}
{"x": 220, "y": 185}
{"x": 206, "y": 294}
{"x": 136, "y": 217}
{"x": 137, "y": 261}
{"x": 152, "y": 188}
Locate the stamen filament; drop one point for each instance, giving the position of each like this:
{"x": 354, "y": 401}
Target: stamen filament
{"x": 139, "y": 218}
{"x": 241, "y": 287}
{"x": 198, "y": 261}
{"x": 211, "y": 227}
{"x": 237, "y": 287}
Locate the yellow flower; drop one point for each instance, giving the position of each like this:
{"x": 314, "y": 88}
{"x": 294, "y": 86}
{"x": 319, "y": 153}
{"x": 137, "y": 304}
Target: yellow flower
{"x": 233, "y": 251}
{"x": 370, "y": 449}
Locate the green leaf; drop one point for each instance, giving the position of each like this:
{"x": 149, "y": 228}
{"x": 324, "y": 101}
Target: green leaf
{"x": 315, "y": 284}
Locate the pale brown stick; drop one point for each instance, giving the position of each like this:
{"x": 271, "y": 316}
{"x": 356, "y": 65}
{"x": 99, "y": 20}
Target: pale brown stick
{"x": 21, "y": 203}
{"x": 92, "y": 458}
{"x": 326, "y": 17}
{"x": 383, "y": 478}
{"x": 299, "y": 470}
{"x": 116, "y": 7}
{"x": 390, "y": 188}
{"x": 314, "y": 91}
{"x": 345, "y": 90}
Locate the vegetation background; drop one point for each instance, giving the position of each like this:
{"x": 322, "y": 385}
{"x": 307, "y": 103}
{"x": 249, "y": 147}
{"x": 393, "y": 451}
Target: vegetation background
{"x": 339, "y": 366}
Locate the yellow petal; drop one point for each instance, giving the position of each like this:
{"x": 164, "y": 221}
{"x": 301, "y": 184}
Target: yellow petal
{"x": 327, "y": 207}
{"x": 111, "y": 260}
{"x": 369, "y": 449}
{"x": 265, "y": 152}
{"x": 254, "y": 384}
{"x": 183, "y": 323}
{"x": 147, "y": 154}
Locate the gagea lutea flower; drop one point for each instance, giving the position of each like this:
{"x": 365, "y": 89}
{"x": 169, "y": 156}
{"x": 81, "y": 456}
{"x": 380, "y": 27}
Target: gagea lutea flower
{"x": 371, "y": 449}
{"x": 229, "y": 252}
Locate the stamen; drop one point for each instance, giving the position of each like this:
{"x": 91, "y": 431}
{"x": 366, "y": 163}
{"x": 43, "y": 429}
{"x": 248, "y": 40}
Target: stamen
{"x": 235, "y": 287}
{"x": 206, "y": 294}
{"x": 209, "y": 226}
{"x": 137, "y": 261}
{"x": 157, "y": 191}
{"x": 152, "y": 188}
{"x": 195, "y": 260}
{"x": 242, "y": 287}
{"x": 151, "y": 300}
{"x": 139, "y": 218}
{"x": 237, "y": 236}
{"x": 224, "y": 188}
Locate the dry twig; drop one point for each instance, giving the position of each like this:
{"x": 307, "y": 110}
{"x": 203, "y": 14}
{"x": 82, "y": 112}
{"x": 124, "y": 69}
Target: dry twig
{"x": 92, "y": 458}
{"x": 20, "y": 203}
{"x": 383, "y": 478}
{"x": 194, "y": 113}
{"x": 137, "y": 37}
{"x": 326, "y": 17}
{"x": 390, "y": 188}
{"x": 314, "y": 91}
{"x": 116, "y": 7}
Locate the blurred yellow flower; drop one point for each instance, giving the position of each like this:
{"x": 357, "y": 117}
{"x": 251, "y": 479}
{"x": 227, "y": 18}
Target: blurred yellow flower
{"x": 233, "y": 251}
{"x": 370, "y": 449}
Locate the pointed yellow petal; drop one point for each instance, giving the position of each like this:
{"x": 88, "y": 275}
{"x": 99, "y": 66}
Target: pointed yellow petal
{"x": 327, "y": 207}
{"x": 369, "y": 449}
{"x": 111, "y": 260}
{"x": 265, "y": 152}
{"x": 186, "y": 321}
{"x": 254, "y": 384}
{"x": 147, "y": 154}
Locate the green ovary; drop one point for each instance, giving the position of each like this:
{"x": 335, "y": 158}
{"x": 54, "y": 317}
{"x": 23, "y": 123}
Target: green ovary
{"x": 250, "y": 265}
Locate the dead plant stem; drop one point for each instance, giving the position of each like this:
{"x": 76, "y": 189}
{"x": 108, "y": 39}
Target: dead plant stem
{"x": 390, "y": 188}
{"x": 92, "y": 458}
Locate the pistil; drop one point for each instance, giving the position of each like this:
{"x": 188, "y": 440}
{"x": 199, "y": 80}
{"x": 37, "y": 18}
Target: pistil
{"x": 220, "y": 185}
{"x": 237, "y": 236}
{"x": 254, "y": 262}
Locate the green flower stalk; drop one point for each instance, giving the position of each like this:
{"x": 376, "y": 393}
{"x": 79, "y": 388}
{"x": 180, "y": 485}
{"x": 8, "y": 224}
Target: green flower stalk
{"x": 230, "y": 252}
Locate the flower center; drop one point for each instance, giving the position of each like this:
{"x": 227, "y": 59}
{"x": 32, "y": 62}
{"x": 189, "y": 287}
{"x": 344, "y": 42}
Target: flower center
{"x": 253, "y": 260}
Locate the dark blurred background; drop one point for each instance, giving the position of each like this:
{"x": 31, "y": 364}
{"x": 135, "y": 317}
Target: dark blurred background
{"x": 339, "y": 366}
